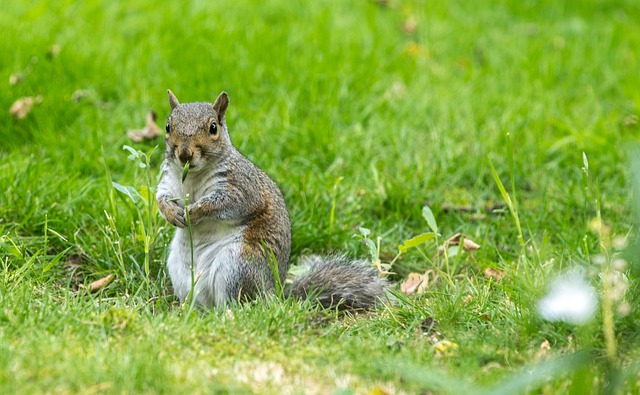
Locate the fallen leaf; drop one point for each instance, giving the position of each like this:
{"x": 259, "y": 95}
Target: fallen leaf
{"x": 545, "y": 345}
{"x": 495, "y": 273}
{"x": 410, "y": 25}
{"x": 21, "y": 107}
{"x": 470, "y": 245}
{"x": 149, "y": 132}
{"x": 543, "y": 350}
{"x": 412, "y": 283}
{"x": 417, "y": 283}
{"x": 15, "y": 78}
{"x": 120, "y": 325}
{"x": 99, "y": 284}
{"x": 467, "y": 244}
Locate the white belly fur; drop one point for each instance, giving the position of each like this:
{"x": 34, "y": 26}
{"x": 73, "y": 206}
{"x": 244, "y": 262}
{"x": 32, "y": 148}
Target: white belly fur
{"x": 217, "y": 248}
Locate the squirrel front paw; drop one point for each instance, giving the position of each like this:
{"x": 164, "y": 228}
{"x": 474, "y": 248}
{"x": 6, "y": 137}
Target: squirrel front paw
{"x": 172, "y": 212}
{"x": 195, "y": 212}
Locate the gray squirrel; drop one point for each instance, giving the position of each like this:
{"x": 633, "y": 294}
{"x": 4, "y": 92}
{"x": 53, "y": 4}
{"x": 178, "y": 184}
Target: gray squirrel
{"x": 239, "y": 222}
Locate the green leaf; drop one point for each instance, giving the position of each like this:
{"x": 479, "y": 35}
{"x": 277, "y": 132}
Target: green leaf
{"x": 503, "y": 191}
{"x": 416, "y": 241}
{"x": 373, "y": 250}
{"x": 55, "y": 260}
{"x": 128, "y": 191}
{"x": 431, "y": 220}
{"x": 185, "y": 171}
{"x": 134, "y": 153}
{"x": 145, "y": 194}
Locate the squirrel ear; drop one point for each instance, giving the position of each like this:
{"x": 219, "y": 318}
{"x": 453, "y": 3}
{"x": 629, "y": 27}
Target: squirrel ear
{"x": 221, "y": 105}
{"x": 173, "y": 101}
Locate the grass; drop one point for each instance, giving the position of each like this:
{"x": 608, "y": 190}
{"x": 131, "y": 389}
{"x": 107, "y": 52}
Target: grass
{"x": 362, "y": 119}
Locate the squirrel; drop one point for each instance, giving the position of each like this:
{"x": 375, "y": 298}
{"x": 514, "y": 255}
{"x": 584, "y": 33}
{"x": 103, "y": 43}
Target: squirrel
{"x": 240, "y": 226}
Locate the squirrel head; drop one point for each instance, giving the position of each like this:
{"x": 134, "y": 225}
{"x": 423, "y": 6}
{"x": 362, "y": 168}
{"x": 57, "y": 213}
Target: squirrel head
{"x": 197, "y": 132}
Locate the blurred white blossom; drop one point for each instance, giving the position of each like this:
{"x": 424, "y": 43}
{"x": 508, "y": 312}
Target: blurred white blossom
{"x": 570, "y": 299}
{"x": 618, "y": 285}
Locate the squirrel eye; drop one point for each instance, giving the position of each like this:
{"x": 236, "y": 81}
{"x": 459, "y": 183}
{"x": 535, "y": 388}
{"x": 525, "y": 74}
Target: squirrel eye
{"x": 213, "y": 129}
{"x": 167, "y": 128}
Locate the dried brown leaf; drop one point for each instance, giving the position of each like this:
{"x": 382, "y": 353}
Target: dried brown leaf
{"x": 101, "y": 283}
{"x": 410, "y": 25}
{"x": 22, "y": 107}
{"x": 468, "y": 244}
{"x": 411, "y": 284}
{"x": 15, "y": 78}
{"x": 544, "y": 349}
{"x": 453, "y": 240}
{"x": 495, "y": 273}
{"x": 545, "y": 345}
{"x": 417, "y": 283}
{"x": 120, "y": 325}
{"x": 149, "y": 132}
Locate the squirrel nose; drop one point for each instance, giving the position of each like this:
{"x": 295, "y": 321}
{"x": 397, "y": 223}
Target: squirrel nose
{"x": 184, "y": 155}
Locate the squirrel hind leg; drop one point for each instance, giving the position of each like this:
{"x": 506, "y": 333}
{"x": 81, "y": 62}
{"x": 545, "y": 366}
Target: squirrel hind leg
{"x": 338, "y": 282}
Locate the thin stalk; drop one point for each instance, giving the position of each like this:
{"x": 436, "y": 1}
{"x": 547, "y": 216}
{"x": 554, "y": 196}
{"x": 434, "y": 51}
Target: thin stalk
{"x": 607, "y": 300}
{"x": 46, "y": 241}
{"x": 191, "y": 299}
{"x": 513, "y": 209}
{"x": 332, "y": 215}
{"x": 192, "y": 264}
{"x": 150, "y": 230}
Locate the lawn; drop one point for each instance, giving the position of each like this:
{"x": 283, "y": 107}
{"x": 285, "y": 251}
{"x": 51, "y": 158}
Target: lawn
{"x": 364, "y": 112}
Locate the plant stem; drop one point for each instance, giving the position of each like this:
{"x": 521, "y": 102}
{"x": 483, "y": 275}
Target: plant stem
{"x": 193, "y": 274}
{"x": 607, "y": 300}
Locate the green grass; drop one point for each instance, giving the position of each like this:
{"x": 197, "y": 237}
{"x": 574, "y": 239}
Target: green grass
{"x": 321, "y": 92}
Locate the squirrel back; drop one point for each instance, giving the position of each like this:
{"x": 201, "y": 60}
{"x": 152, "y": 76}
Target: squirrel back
{"x": 239, "y": 222}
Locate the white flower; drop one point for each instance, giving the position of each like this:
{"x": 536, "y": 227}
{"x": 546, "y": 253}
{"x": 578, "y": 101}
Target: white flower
{"x": 570, "y": 299}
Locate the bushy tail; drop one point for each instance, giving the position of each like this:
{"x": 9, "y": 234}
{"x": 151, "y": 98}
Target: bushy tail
{"x": 338, "y": 282}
